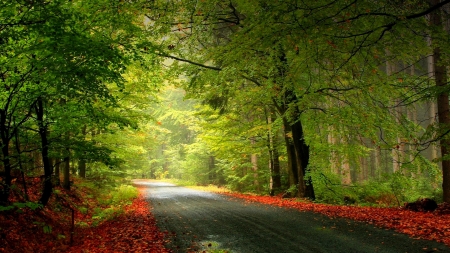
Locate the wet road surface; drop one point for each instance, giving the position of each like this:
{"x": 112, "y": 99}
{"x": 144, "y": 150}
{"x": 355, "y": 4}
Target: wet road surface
{"x": 195, "y": 221}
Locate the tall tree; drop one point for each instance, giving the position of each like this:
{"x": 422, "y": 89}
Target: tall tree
{"x": 61, "y": 50}
{"x": 441, "y": 79}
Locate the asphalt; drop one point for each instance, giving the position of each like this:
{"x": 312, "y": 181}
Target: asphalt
{"x": 197, "y": 221}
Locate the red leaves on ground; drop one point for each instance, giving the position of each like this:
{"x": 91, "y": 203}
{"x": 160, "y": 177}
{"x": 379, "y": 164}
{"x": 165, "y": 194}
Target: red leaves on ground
{"x": 430, "y": 226}
{"x": 48, "y": 229}
{"x": 134, "y": 231}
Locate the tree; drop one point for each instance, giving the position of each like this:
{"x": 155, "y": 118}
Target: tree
{"x": 441, "y": 79}
{"x": 61, "y": 51}
{"x": 308, "y": 56}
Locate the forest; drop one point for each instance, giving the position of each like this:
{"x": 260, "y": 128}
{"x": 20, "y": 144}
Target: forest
{"x": 336, "y": 101}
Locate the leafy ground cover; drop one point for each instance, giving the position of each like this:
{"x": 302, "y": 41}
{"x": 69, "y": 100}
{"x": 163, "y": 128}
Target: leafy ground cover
{"x": 421, "y": 225}
{"x": 98, "y": 225}
{"x": 135, "y": 231}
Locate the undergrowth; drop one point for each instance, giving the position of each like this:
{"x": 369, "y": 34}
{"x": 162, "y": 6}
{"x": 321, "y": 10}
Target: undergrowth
{"x": 388, "y": 190}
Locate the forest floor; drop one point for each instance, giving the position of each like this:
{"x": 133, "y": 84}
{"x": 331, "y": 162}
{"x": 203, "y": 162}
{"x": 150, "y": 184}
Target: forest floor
{"x": 127, "y": 228}
{"x": 196, "y": 221}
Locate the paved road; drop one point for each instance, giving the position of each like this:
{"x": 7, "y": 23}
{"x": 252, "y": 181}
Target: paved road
{"x": 197, "y": 221}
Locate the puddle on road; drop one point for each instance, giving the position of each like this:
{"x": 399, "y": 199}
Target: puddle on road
{"x": 212, "y": 247}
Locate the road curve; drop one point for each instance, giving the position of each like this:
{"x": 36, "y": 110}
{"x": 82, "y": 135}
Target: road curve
{"x": 196, "y": 220}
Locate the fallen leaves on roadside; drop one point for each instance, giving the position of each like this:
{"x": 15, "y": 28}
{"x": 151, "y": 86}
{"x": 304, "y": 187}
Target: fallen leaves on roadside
{"x": 430, "y": 225}
{"x": 48, "y": 229}
{"x": 134, "y": 231}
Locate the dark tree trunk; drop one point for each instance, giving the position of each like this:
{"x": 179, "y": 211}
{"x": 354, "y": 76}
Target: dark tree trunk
{"x": 276, "y": 170}
{"x": 6, "y": 184}
{"x": 48, "y": 169}
{"x": 297, "y": 149}
{"x": 82, "y": 160}
{"x": 66, "y": 169}
{"x": 274, "y": 160}
{"x": 21, "y": 167}
{"x": 440, "y": 75}
{"x": 290, "y": 150}
{"x": 305, "y": 187}
{"x": 66, "y": 173}
{"x": 57, "y": 171}
{"x": 82, "y": 168}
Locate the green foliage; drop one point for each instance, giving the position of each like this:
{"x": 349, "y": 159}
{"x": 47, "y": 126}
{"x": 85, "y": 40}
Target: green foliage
{"x": 160, "y": 173}
{"x": 112, "y": 197}
{"x": 18, "y": 206}
{"x": 390, "y": 189}
{"x": 46, "y": 228}
{"x": 117, "y": 195}
{"x": 328, "y": 188}
{"x": 326, "y": 65}
{"x": 123, "y": 195}
{"x": 400, "y": 187}
{"x": 106, "y": 214}
{"x": 83, "y": 210}
{"x": 84, "y": 61}
{"x": 82, "y": 224}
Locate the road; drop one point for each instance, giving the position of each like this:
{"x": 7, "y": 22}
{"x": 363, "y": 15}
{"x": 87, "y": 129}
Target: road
{"x": 195, "y": 221}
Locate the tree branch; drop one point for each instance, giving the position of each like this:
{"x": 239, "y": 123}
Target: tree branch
{"x": 190, "y": 62}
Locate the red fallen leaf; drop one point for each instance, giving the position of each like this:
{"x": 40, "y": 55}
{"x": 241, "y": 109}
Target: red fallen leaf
{"x": 331, "y": 43}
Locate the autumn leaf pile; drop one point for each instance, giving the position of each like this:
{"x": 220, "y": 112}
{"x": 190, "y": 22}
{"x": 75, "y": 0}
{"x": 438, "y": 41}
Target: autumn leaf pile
{"x": 49, "y": 229}
{"x": 421, "y": 225}
{"x": 134, "y": 232}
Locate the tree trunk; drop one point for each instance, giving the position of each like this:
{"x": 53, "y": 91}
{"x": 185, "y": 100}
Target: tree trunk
{"x": 397, "y": 150}
{"x": 57, "y": 172}
{"x": 276, "y": 170}
{"x": 298, "y": 150}
{"x": 444, "y": 122}
{"x": 305, "y": 187}
{"x": 444, "y": 119}
{"x": 274, "y": 160}
{"x": 19, "y": 160}
{"x": 290, "y": 150}
{"x": 212, "y": 169}
{"x": 48, "y": 168}
{"x": 298, "y": 159}
{"x": 66, "y": 172}
{"x": 440, "y": 76}
{"x": 254, "y": 162}
{"x": 82, "y": 160}
{"x": 6, "y": 184}
{"x": 66, "y": 169}
{"x": 433, "y": 149}
{"x": 82, "y": 168}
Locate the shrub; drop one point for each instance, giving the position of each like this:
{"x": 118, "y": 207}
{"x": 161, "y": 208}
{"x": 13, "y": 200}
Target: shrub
{"x": 123, "y": 194}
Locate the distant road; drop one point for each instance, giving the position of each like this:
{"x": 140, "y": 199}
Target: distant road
{"x": 199, "y": 220}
